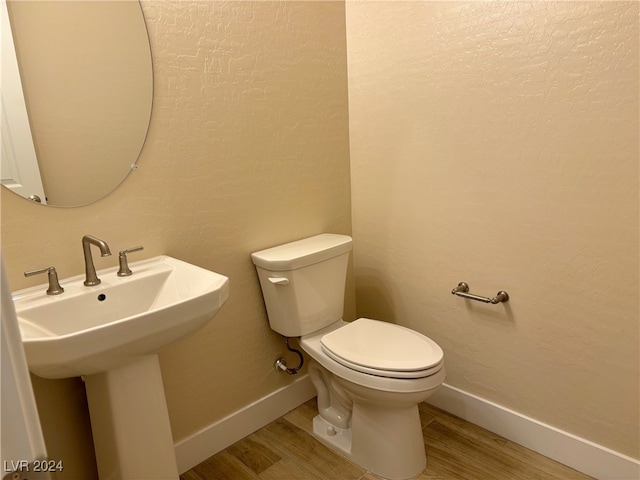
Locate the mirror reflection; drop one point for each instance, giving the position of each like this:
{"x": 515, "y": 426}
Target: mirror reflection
{"x": 77, "y": 99}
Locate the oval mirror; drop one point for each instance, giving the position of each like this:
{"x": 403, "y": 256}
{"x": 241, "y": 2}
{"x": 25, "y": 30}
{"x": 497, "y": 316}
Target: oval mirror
{"x": 77, "y": 92}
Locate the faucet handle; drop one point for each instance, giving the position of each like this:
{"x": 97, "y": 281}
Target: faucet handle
{"x": 54, "y": 284}
{"x": 124, "y": 270}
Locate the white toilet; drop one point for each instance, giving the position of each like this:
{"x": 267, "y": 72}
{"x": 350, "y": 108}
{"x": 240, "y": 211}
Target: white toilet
{"x": 370, "y": 375}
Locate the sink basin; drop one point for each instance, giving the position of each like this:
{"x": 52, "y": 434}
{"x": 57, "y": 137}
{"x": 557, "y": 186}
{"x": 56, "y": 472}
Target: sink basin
{"x": 89, "y": 330}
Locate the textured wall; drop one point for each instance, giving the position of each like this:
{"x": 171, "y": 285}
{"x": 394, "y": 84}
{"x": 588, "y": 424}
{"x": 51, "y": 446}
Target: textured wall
{"x": 497, "y": 143}
{"x": 248, "y": 148}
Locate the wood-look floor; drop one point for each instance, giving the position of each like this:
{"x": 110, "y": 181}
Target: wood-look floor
{"x": 456, "y": 450}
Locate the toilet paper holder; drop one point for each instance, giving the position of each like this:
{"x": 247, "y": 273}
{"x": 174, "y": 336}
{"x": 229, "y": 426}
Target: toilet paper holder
{"x": 462, "y": 290}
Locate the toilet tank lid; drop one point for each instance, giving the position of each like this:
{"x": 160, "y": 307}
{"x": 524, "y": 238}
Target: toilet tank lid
{"x": 303, "y": 252}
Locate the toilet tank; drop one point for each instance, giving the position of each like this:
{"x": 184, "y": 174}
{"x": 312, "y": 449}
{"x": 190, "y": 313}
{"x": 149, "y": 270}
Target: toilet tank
{"x": 303, "y": 282}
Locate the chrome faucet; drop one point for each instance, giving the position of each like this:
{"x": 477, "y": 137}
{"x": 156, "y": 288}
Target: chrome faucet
{"x": 54, "y": 284}
{"x": 88, "y": 240}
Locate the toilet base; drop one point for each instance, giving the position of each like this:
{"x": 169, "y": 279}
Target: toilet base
{"x": 379, "y": 430}
{"x": 388, "y": 441}
{"x": 339, "y": 438}
{"x": 382, "y": 458}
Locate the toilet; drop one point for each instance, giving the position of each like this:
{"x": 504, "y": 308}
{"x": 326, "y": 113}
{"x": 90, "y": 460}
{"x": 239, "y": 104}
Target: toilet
{"x": 370, "y": 375}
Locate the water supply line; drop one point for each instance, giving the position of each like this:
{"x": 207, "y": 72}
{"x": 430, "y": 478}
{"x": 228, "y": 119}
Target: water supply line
{"x": 281, "y": 363}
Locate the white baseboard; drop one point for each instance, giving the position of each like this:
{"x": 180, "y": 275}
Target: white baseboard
{"x": 575, "y": 452}
{"x": 225, "y": 432}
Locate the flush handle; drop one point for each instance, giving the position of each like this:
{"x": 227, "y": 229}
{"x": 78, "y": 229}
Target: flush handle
{"x": 279, "y": 280}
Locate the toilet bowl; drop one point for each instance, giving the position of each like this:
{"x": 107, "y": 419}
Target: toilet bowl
{"x": 380, "y": 427}
{"x": 370, "y": 375}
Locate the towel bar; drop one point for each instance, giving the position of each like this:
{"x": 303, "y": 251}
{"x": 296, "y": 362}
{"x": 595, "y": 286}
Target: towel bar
{"x": 462, "y": 290}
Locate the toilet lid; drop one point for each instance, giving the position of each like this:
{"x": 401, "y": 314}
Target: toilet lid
{"x": 382, "y": 348}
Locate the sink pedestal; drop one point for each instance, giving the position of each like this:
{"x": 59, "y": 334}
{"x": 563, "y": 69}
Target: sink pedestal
{"x": 130, "y": 422}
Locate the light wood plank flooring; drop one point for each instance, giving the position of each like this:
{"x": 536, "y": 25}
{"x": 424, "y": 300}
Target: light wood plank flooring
{"x": 456, "y": 450}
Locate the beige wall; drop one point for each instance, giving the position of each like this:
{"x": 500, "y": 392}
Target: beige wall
{"x": 491, "y": 143}
{"x": 497, "y": 143}
{"x": 248, "y": 148}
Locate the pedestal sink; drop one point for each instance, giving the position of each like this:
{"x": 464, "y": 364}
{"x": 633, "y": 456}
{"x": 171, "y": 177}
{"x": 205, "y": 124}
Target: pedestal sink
{"x": 110, "y": 335}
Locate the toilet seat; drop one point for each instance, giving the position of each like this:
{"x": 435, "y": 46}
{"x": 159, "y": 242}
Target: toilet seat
{"x": 312, "y": 345}
{"x": 383, "y": 349}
